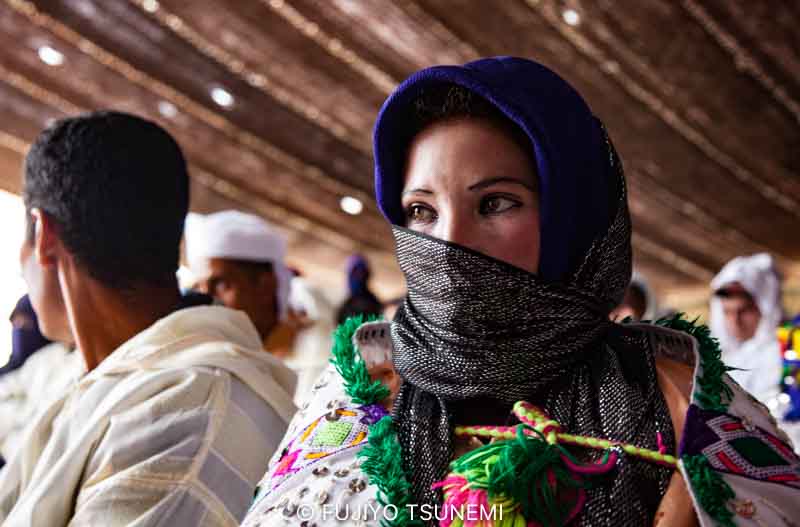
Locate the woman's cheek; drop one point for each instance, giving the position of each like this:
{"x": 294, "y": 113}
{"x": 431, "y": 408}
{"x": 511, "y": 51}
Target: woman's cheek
{"x": 516, "y": 241}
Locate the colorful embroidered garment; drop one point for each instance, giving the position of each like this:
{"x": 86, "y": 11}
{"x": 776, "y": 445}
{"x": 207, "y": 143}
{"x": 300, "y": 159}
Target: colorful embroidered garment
{"x": 316, "y": 477}
{"x": 338, "y": 430}
{"x": 739, "y": 466}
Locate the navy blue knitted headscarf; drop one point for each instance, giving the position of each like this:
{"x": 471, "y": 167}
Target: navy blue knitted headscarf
{"x": 567, "y": 140}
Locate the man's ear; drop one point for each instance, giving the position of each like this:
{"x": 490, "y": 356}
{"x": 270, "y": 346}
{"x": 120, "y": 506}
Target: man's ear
{"x": 46, "y": 243}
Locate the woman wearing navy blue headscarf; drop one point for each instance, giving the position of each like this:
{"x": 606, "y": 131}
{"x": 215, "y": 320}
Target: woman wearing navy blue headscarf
{"x": 508, "y": 208}
{"x": 509, "y": 211}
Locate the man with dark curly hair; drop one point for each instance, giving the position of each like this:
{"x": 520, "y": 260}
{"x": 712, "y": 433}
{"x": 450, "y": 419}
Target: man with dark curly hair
{"x": 179, "y": 410}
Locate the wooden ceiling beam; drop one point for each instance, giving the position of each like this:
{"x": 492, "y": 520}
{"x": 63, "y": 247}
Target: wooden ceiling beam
{"x": 660, "y": 277}
{"x": 679, "y": 240}
{"x": 743, "y": 59}
{"x": 368, "y": 227}
{"x": 644, "y": 84}
{"x": 515, "y": 28}
{"x": 137, "y": 50}
{"x": 10, "y": 164}
{"x": 378, "y": 233}
{"x": 670, "y": 261}
{"x": 291, "y": 95}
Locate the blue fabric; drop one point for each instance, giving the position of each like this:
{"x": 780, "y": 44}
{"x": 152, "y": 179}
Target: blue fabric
{"x": 25, "y": 339}
{"x": 358, "y": 273}
{"x": 577, "y": 192}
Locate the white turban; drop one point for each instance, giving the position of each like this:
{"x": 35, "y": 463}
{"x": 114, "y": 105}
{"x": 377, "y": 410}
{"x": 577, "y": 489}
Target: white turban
{"x": 235, "y": 235}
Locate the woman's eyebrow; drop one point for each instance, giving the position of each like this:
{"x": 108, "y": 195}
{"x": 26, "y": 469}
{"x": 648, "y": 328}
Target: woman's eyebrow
{"x": 502, "y": 179}
{"x": 417, "y": 191}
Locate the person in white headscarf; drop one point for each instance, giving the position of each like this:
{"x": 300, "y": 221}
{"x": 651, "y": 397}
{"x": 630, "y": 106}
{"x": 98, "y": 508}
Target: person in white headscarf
{"x": 745, "y": 314}
{"x": 238, "y": 258}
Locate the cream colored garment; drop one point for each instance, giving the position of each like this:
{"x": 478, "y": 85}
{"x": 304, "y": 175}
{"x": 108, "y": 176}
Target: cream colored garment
{"x": 312, "y": 345}
{"x": 31, "y": 388}
{"x": 174, "y": 428}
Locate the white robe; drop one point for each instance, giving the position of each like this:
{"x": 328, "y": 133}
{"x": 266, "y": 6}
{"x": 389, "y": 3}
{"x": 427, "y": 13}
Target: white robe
{"x": 311, "y": 349}
{"x": 44, "y": 377}
{"x": 759, "y": 358}
{"x": 173, "y": 428}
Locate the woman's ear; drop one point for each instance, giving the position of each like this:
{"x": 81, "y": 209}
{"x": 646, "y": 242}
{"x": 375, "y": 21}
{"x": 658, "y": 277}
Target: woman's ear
{"x": 45, "y": 238}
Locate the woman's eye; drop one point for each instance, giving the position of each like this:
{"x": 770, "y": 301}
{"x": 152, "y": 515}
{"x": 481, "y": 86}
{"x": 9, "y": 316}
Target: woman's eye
{"x": 419, "y": 214}
{"x": 497, "y": 204}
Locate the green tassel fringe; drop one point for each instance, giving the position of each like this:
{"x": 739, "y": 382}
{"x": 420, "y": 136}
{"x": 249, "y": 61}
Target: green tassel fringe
{"x": 711, "y": 392}
{"x": 383, "y": 463}
{"x": 519, "y": 469}
{"x": 710, "y": 489}
{"x": 357, "y": 382}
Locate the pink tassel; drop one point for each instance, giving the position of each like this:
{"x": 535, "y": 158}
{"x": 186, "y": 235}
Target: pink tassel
{"x": 479, "y": 499}
{"x": 661, "y": 448}
{"x": 596, "y": 468}
{"x": 459, "y": 497}
{"x": 452, "y": 480}
{"x": 579, "y": 503}
{"x": 456, "y": 495}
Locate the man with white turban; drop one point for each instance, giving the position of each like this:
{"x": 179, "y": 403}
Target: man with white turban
{"x": 745, "y": 314}
{"x": 238, "y": 258}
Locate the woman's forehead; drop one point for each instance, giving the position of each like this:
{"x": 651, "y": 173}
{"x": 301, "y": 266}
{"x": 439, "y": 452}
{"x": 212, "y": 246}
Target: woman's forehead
{"x": 470, "y": 149}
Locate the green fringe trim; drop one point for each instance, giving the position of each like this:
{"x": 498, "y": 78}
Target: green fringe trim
{"x": 383, "y": 458}
{"x": 357, "y": 382}
{"x": 710, "y": 391}
{"x": 709, "y": 489}
{"x": 383, "y": 463}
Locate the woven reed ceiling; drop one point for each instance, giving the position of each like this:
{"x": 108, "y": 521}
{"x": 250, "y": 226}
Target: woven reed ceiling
{"x": 274, "y": 101}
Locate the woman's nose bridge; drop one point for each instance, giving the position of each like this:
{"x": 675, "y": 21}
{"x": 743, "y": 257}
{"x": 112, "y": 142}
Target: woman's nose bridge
{"x": 454, "y": 224}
